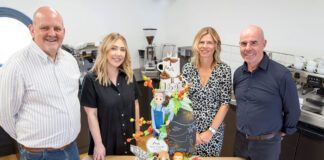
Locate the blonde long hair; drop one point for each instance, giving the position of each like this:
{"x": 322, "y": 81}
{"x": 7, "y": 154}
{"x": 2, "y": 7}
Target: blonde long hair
{"x": 100, "y": 65}
{"x": 202, "y": 32}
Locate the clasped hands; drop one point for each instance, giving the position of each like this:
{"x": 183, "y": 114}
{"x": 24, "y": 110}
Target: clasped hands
{"x": 204, "y": 137}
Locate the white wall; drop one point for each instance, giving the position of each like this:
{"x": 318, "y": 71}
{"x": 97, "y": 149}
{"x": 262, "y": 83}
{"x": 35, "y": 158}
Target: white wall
{"x": 91, "y": 20}
{"x": 291, "y": 26}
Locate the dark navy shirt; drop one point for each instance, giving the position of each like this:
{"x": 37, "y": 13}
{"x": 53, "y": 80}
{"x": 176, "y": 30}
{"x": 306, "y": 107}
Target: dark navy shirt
{"x": 267, "y": 99}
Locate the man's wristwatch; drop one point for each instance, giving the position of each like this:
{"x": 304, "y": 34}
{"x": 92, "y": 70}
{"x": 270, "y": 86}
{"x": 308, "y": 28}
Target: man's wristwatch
{"x": 212, "y": 130}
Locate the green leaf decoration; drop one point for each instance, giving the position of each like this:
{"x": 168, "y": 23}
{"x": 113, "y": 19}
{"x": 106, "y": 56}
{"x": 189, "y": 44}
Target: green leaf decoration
{"x": 162, "y": 135}
{"x": 166, "y": 117}
{"x": 151, "y": 157}
{"x": 185, "y": 158}
{"x": 153, "y": 104}
{"x": 163, "y": 128}
{"x": 146, "y": 132}
{"x": 170, "y": 105}
{"x": 176, "y": 106}
{"x": 185, "y": 104}
{"x": 186, "y": 100}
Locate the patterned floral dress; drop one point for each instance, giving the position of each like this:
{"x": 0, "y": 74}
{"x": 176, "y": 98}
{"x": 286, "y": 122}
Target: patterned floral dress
{"x": 206, "y": 102}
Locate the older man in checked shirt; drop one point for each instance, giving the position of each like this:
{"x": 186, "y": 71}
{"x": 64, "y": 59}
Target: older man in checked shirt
{"x": 39, "y": 84}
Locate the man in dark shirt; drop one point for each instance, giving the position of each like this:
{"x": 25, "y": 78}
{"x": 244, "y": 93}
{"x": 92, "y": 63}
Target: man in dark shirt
{"x": 267, "y": 100}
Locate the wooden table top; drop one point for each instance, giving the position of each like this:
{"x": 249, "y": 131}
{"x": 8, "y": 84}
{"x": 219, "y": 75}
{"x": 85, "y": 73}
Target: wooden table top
{"x": 142, "y": 145}
{"x": 133, "y": 157}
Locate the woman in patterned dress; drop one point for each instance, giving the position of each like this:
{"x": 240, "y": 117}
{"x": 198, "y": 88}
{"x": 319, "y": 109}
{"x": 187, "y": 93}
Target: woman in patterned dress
{"x": 210, "y": 91}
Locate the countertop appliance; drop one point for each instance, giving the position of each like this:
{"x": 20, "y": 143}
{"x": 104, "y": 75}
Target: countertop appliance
{"x": 169, "y": 50}
{"x": 311, "y": 94}
{"x": 308, "y": 142}
{"x": 184, "y": 53}
{"x": 150, "y": 54}
{"x": 150, "y": 57}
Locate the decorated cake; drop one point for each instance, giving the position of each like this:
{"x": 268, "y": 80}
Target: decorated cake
{"x": 172, "y": 121}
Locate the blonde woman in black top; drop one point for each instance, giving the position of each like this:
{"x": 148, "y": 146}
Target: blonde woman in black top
{"x": 110, "y": 98}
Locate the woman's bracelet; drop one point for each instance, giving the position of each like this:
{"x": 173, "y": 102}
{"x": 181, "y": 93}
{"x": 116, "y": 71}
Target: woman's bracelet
{"x": 212, "y": 130}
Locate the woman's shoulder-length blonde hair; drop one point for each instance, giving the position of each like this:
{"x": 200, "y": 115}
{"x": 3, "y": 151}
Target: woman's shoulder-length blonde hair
{"x": 100, "y": 65}
{"x": 195, "y": 50}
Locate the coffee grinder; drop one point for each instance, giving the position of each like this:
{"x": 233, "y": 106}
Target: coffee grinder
{"x": 149, "y": 57}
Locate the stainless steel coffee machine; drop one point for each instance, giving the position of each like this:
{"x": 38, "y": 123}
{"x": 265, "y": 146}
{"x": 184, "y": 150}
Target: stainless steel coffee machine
{"x": 311, "y": 93}
{"x": 149, "y": 56}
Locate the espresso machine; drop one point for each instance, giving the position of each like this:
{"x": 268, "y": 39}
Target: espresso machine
{"x": 185, "y": 54}
{"x": 311, "y": 94}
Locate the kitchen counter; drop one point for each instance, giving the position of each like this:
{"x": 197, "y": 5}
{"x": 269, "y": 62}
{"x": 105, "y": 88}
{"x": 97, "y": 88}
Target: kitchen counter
{"x": 138, "y": 74}
{"x": 133, "y": 157}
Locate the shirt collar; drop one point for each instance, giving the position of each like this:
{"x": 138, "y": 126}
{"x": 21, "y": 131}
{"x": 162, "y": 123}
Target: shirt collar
{"x": 38, "y": 51}
{"x": 263, "y": 64}
{"x": 121, "y": 72}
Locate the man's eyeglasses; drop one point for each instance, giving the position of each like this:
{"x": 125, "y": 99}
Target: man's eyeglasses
{"x": 252, "y": 43}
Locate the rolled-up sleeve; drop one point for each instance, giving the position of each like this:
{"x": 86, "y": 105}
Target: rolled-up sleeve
{"x": 11, "y": 96}
{"x": 291, "y": 107}
{"x": 88, "y": 92}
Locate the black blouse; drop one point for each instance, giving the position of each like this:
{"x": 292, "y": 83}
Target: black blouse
{"x": 116, "y": 105}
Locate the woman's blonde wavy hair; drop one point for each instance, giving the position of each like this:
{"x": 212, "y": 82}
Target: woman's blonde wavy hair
{"x": 100, "y": 65}
{"x": 202, "y": 32}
